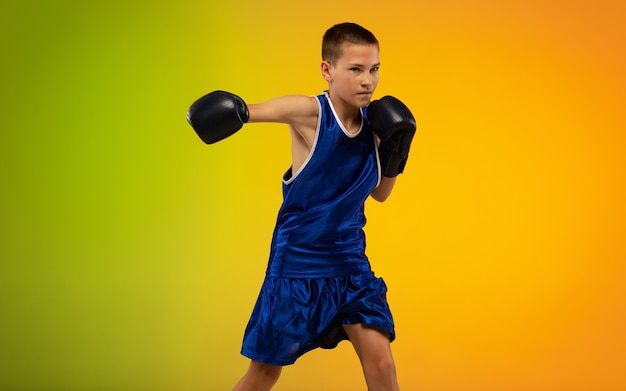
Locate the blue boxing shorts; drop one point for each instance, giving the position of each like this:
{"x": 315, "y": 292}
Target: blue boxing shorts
{"x": 295, "y": 315}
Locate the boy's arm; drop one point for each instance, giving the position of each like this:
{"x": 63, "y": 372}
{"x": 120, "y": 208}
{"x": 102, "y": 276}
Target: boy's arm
{"x": 220, "y": 114}
{"x": 384, "y": 189}
{"x": 300, "y": 113}
{"x": 295, "y": 110}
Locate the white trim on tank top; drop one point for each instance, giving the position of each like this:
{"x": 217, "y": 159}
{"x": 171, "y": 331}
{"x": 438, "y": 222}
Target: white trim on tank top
{"x": 345, "y": 131}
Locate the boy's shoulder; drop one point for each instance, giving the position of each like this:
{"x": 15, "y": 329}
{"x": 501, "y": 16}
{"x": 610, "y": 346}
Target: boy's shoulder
{"x": 303, "y": 104}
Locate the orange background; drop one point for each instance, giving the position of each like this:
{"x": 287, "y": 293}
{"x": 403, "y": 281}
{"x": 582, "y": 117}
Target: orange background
{"x": 132, "y": 253}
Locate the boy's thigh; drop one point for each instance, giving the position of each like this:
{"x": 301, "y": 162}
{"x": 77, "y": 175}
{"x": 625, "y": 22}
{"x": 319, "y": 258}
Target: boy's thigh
{"x": 368, "y": 341}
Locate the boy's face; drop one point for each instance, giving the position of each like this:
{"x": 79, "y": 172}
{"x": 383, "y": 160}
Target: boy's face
{"x": 353, "y": 77}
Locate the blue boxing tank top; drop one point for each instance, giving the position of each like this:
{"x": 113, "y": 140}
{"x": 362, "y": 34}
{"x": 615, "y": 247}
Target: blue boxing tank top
{"x": 319, "y": 229}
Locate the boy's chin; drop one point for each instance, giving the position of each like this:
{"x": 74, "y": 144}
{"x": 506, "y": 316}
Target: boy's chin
{"x": 363, "y": 101}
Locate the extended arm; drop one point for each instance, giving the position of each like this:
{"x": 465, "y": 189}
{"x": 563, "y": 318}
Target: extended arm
{"x": 294, "y": 110}
{"x": 219, "y": 114}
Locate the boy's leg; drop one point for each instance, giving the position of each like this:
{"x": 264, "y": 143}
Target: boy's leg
{"x": 259, "y": 377}
{"x": 374, "y": 350}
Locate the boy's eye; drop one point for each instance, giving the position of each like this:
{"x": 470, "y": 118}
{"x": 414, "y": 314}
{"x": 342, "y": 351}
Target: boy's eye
{"x": 374, "y": 70}
{"x": 355, "y": 69}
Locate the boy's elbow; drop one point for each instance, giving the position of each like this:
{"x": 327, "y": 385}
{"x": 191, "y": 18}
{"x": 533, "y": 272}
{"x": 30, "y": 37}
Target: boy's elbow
{"x": 384, "y": 189}
{"x": 380, "y": 196}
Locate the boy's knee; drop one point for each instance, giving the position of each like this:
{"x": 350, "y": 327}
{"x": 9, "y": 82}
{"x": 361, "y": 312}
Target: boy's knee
{"x": 380, "y": 374}
{"x": 382, "y": 366}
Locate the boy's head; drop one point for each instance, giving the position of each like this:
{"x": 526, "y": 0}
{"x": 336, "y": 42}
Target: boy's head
{"x": 341, "y": 34}
{"x": 350, "y": 64}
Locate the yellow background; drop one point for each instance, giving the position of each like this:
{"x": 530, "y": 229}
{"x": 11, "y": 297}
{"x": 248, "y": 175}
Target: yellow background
{"x": 132, "y": 253}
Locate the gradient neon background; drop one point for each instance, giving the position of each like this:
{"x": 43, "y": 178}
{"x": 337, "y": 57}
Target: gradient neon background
{"x": 132, "y": 253}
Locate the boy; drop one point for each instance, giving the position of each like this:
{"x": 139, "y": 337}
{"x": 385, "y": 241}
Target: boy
{"x": 319, "y": 288}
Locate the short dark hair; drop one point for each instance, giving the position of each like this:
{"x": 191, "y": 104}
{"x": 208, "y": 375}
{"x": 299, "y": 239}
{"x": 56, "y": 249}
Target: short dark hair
{"x": 339, "y": 34}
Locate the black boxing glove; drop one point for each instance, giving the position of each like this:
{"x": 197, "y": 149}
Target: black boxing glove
{"x": 395, "y": 126}
{"x": 217, "y": 115}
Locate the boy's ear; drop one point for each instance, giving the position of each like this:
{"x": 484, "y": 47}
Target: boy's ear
{"x": 326, "y": 71}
